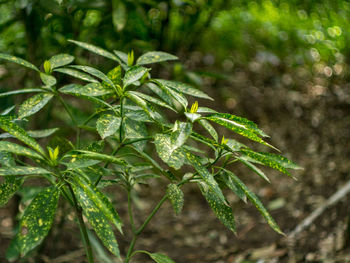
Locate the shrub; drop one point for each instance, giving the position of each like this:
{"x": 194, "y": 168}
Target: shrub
{"x": 128, "y": 120}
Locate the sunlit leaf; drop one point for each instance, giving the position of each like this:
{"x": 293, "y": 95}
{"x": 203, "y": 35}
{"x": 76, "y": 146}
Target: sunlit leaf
{"x": 153, "y": 100}
{"x": 206, "y": 125}
{"x": 154, "y": 57}
{"x": 176, "y": 197}
{"x": 94, "y": 72}
{"x": 177, "y": 96}
{"x": 100, "y": 157}
{"x": 253, "y": 168}
{"x": 134, "y": 130}
{"x": 60, "y": 60}
{"x": 107, "y": 125}
{"x": 18, "y": 60}
{"x": 37, "y": 219}
{"x": 34, "y": 104}
{"x": 222, "y": 211}
{"x": 42, "y": 133}
{"x": 20, "y": 134}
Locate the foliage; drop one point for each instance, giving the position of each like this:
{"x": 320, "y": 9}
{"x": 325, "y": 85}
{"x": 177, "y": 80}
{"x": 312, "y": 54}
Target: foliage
{"x": 129, "y": 116}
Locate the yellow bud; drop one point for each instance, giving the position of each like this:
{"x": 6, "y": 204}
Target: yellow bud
{"x": 47, "y": 67}
{"x": 194, "y": 107}
{"x": 131, "y": 58}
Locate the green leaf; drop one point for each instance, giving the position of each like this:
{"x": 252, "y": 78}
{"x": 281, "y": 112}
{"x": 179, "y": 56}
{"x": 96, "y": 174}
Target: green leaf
{"x": 161, "y": 93}
{"x": 253, "y": 168}
{"x": 48, "y": 80}
{"x": 115, "y": 75}
{"x": 96, "y": 50}
{"x": 176, "y": 197}
{"x": 34, "y": 104}
{"x": 255, "y": 200}
{"x": 160, "y": 258}
{"x": 60, "y": 60}
{"x": 133, "y": 74}
{"x": 135, "y": 130}
{"x": 154, "y": 57}
{"x": 107, "y": 125}
{"x": 100, "y": 157}
{"x": 153, "y": 100}
{"x": 170, "y": 154}
{"x": 184, "y": 88}
{"x": 233, "y": 186}
{"x": 80, "y": 163}
{"x": 222, "y": 211}
{"x": 122, "y": 56}
{"x": 237, "y": 127}
{"x": 42, "y": 133}
{"x": 92, "y": 89}
{"x": 37, "y": 219}
{"x": 76, "y": 74}
{"x": 9, "y": 188}
{"x": 119, "y": 15}
{"x": 20, "y": 91}
{"x": 94, "y": 72}
{"x": 6, "y": 159}
{"x": 22, "y": 170}
{"x": 101, "y": 201}
{"x": 177, "y": 96}
{"x": 19, "y": 61}
{"x": 19, "y": 150}
{"x": 240, "y": 121}
{"x": 274, "y": 161}
{"x": 20, "y": 134}
{"x": 206, "y": 125}
{"x": 96, "y": 217}
{"x": 207, "y": 177}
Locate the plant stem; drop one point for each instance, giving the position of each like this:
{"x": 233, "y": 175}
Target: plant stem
{"x": 131, "y": 217}
{"x": 142, "y": 227}
{"x": 82, "y": 227}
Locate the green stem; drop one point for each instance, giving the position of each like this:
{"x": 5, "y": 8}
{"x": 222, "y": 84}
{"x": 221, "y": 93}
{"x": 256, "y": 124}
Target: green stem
{"x": 131, "y": 217}
{"x": 82, "y": 227}
{"x": 122, "y": 119}
{"x": 142, "y": 227}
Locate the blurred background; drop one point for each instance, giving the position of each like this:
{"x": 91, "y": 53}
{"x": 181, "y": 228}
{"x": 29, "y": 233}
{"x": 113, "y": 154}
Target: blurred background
{"x": 283, "y": 64}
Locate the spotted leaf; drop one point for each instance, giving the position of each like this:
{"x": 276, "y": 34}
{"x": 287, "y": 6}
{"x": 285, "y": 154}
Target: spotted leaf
{"x": 94, "y": 72}
{"x": 135, "y": 130}
{"x": 107, "y": 125}
{"x": 176, "y": 197}
{"x": 9, "y": 188}
{"x": 160, "y": 258}
{"x": 176, "y": 95}
{"x": 22, "y": 170}
{"x": 20, "y": 91}
{"x": 253, "y": 168}
{"x": 133, "y": 74}
{"x": 37, "y": 219}
{"x": 92, "y": 89}
{"x": 19, "y": 150}
{"x": 274, "y": 161}
{"x": 76, "y": 74}
{"x": 207, "y": 177}
{"x": 48, "y": 80}
{"x": 206, "y": 125}
{"x": 155, "y": 57}
{"x": 96, "y": 218}
{"x": 153, "y": 100}
{"x": 222, "y": 211}
{"x": 18, "y": 60}
{"x": 20, "y": 134}
{"x": 184, "y": 88}
{"x": 255, "y": 200}
{"x": 60, "y": 60}
{"x": 100, "y": 157}
{"x": 237, "y": 127}
{"x": 34, "y": 104}
{"x": 96, "y": 50}
{"x": 173, "y": 156}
